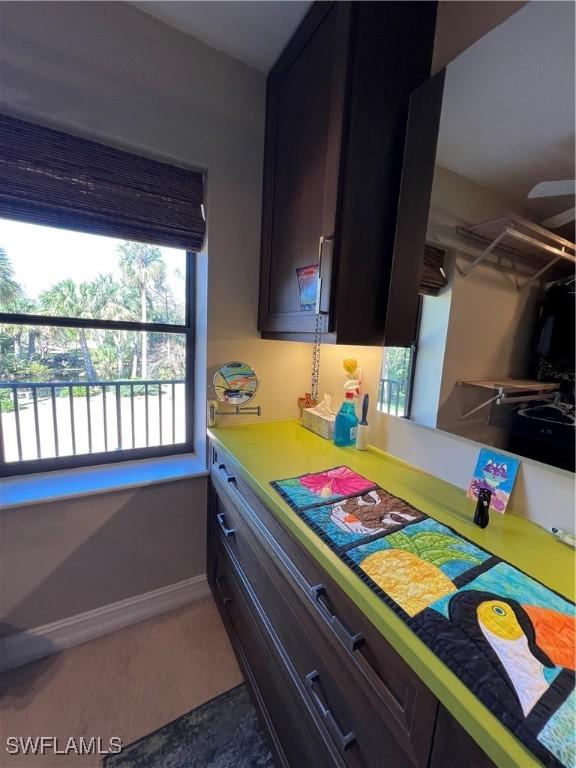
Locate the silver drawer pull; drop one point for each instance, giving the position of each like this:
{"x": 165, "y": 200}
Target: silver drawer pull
{"x": 343, "y": 740}
{"x": 222, "y": 523}
{"x": 352, "y": 640}
{"x": 225, "y": 600}
{"x": 229, "y": 478}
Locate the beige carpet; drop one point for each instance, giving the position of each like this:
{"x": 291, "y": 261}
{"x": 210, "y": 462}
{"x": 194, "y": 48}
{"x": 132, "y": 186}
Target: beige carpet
{"x": 127, "y": 684}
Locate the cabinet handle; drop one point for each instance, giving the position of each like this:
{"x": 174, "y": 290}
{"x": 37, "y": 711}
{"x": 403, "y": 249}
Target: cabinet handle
{"x": 225, "y": 600}
{"x": 352, "y": 640}
{"x": 223, "y": 471}
{"x": 222, "y": 523}
{"x": 343, "y": 740}
{"x": 323, "y": 264}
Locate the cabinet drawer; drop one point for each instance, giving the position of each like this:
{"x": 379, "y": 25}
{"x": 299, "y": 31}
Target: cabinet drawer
{"x": 395, "y": 692}
{"x": 279, "y": 698}
{"x": 360, "y": 727}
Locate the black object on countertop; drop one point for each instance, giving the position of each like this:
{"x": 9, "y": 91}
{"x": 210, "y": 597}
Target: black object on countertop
{"x": 482, "y": 513}
{"x": 364, "y": 419}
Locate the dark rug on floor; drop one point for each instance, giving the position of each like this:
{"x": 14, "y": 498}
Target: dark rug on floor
{"x": 223, "y": 733}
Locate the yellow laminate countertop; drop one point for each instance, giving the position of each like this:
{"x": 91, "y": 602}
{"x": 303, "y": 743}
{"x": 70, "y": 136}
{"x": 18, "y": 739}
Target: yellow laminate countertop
{"x": 278, "y": 450}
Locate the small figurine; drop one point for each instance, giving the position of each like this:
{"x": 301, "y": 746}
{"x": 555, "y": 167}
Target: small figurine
{"x": 352, "y": 384}
{"x": 306, "y": 402}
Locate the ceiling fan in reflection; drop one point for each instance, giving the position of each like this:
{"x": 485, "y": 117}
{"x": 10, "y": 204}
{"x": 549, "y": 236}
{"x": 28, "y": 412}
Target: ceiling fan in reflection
{"x": 556, "y": 189}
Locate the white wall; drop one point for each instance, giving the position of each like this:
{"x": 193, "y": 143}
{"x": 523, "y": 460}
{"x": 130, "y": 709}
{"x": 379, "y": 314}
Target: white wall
{"x": 488, "y": 331}
{"x": 490, "y": 322}
{"x": 430, "y": 359}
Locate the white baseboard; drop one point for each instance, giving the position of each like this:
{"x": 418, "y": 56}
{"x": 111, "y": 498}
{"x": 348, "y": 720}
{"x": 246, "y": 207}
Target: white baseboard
{"x": 24, "y": 647}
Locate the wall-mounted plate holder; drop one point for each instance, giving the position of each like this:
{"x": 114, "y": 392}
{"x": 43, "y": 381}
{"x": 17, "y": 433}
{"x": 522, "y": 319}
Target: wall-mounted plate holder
{"x": 253, "y": 410}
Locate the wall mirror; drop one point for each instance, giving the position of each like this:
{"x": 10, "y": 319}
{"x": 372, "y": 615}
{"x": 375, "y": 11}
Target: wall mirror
{"x": 235, "y": 383}
{"x": 494, "y": 358}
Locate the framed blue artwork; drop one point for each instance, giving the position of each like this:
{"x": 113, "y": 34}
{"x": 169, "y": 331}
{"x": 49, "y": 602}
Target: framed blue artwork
{"x": 496, "y": 473}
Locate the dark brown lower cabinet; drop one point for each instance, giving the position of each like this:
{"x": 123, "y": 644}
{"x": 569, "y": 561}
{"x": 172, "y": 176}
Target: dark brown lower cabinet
{"x": 295, "y": 739}
{"x": 329, "y": 689}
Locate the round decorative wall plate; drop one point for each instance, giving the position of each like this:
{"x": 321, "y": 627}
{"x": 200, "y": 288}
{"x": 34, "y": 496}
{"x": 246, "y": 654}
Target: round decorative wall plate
{"x": 235, "y": 383}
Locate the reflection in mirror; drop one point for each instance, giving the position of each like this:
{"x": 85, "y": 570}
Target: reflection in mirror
{"x": 495, "y": 351}
{"x": 235, "y": 383}
{"x": 395, "y": 381}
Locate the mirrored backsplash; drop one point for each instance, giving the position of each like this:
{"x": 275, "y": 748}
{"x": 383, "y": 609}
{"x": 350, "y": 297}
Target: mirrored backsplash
{"x": 494, "y": 358}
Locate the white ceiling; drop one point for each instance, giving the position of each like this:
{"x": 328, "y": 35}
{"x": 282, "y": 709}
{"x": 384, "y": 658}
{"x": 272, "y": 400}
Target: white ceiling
{"x": 508, "y": 111}
{"x": 252, "y": 32}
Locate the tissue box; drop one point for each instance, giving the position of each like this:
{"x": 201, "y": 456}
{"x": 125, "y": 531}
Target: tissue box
{"x": 319, "y": 423}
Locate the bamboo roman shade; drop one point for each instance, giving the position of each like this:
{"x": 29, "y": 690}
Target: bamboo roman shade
{"x": 53, "y": 178}
{"x": 433, "y": 276}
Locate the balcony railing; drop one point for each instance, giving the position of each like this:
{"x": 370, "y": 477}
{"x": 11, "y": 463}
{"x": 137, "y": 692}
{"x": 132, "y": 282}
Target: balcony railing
{"x": 391, "y": 399}
{"x": 51, "y": 419}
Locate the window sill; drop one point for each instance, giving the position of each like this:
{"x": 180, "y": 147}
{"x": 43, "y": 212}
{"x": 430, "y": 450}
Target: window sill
{"x": 86, "y": 481}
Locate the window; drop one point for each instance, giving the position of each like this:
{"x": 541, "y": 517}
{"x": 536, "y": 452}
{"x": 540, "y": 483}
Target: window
{"x": 399, "y": 363}
{"x": 97, "y": 266}
{"x": 95, "y": 344}
{"x": 396, "y": 381}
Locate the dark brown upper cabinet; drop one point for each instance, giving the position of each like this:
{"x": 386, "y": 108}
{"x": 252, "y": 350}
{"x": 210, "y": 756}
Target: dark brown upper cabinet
{"x": 336, "y": 121}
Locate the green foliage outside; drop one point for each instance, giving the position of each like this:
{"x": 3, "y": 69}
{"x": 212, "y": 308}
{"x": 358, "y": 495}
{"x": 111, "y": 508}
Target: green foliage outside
{"x": 38, "y": 354}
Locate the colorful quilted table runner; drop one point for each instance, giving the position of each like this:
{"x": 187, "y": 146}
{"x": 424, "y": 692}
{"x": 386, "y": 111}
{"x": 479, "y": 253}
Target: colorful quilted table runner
{"x": 506, "y": 636}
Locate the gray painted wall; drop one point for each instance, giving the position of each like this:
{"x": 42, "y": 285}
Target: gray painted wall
{"x": 60, "y": 559}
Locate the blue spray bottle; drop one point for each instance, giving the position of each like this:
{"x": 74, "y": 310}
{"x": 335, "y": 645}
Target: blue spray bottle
{"x": 346, "y": 424}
